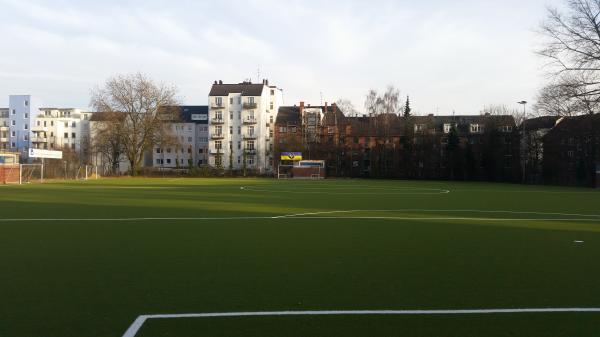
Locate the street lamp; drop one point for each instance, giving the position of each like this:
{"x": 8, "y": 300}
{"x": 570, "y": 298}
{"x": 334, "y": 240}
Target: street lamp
{"x": 525, "y": 138}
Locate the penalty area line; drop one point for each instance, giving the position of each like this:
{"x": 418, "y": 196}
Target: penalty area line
{"x": 140, "y": 320}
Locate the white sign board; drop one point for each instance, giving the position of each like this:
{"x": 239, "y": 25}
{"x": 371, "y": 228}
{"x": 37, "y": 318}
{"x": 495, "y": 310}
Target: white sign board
{"x": 39, "y": 153}
{"x": 199, "y": 117}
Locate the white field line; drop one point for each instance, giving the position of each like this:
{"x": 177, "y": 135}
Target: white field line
{"x": 413, "y": 210}
{"x": 376, "y": 191}
{"x": 322, "y": 215}
{"x": 140, "y": 320}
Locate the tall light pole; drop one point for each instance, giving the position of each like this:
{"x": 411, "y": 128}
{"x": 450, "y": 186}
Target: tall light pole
{"x": 526, "y": 142}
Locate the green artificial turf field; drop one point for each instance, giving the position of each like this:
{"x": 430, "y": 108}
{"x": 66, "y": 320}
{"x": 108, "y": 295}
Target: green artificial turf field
{"x": 87, "y": 258}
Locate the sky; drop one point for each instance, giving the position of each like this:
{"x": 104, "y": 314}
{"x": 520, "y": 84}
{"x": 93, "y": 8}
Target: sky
{"x": 447, "y": 55}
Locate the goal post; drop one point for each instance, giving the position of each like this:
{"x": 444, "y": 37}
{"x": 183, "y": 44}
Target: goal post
{"x": 31, "y": 173}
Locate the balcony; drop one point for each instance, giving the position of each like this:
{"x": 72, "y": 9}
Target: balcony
{"x": 217, "y": 136}
{"x": 249, "y": 106}
{"x": 39, "y": 129}
{"x": 217, "y": 121}
{"x": 39, "y": 139}
{"x": 3, "y": 140}
{"x": 217, "y": 106}
{"x": 250, "y": 136}
{"x": 250, "y": 120}
{"x": 250, "y": 152}
{"x": 215, "y": 151}
{"x": 3, "y": 128}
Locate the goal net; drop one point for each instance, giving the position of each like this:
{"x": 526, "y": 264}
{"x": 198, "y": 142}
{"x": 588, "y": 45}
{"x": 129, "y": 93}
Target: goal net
{"x": 31, "y": 173}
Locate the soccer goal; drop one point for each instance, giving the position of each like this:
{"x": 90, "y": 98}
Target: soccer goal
{"x": 86, "y": 172}
{"x": 31, "y": 173}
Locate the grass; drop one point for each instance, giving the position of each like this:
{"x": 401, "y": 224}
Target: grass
{"x": 93, "y": 278}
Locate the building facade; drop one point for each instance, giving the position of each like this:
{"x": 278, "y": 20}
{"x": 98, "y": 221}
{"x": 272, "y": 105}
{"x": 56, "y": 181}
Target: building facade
{"x": 63, "y": 129}
{"x": 241, "y": 122}
{"x": 187, "y": 144}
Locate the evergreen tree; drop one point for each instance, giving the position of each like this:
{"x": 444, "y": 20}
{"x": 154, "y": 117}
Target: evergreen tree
{"x": 407, "y": 108}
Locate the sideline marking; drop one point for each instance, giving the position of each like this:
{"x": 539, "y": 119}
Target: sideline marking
{"x": 370, "y": 190}
{"x": 140, "y": 320}
{"x": 321, "y": 215}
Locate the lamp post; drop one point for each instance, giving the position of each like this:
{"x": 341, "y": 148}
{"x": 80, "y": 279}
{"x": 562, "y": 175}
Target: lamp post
{"x": 526, "y": 142}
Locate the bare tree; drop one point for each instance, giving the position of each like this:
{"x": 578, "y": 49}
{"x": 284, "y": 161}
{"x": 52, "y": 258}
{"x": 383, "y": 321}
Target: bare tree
{"x": 106, "y": 138}
{"x": 503, "y": 110}
{"x": 572, "y": 47}
{"x": 142, "y": 104}
{"x": 347, "y": 107}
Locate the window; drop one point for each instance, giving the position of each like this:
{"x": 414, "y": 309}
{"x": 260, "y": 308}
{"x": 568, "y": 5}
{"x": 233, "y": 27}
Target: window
{"x": 168, "y": 161}
{"x": 158, "y": 162}
{"x": 272, "y": 92}
{"x": 26, "y": 127}
{"x": 14, "y": 112}
{"x": 282, "y": 129}
{"x": 73, "y": 135}
{"x": 74, "y": 124}
{"x": 251, "y": 161}
{"x": 66, "y": 124}
{"x": 26, "y": 103}
{"x": 231, "y": 130}
{"x": 13, "y": 134}
{"x": 26, "y": 115}
{"x": 13, "y": 122}
{"x": 218, "y": 145}
{"x": 419, "y": 127}
{"x": 169, "y": 150}
{"x": 271, "y": 106}
{"x": 219, "y": 101}
{"x": 250, "y": 145}
{"x": 271, "y": 119}
{"x": 189, "y": 150}
{"x": 157, "y": 150}
{"x": 239, "y": 145}
{"x": 26, "y": 138}
{"x": 476, "y": 128}
{"x": 66, "y": 135}
{"x": 293, "y": 129}
{"x": 330, "y": 129}
{"x": 218, "y": 130}
{"x": 251, "y": 100}
{"x": 230, "y": 145}
{"x": 505, "y": 128}
{"x": 51, "y": 123}
{"x": 231, "y": 100}
{"x": 239, "y": 130}
{"x": 448, "y": 127}
{"x": 231, "y": 115}
{"x": 251, "y": 130}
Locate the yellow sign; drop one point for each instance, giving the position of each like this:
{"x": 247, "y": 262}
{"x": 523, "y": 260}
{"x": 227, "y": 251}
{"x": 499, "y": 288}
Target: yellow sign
{"x": 293, "y": 156}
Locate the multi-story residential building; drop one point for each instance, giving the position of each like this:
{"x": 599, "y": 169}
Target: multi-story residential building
{"x": 387, "y": 145}
{"x": 63, "y": 129}
{"x": 20, "y": 119}
{"x": 4, "y": 130}
{"x": 187, "y": 144}
{"x": 532, "y": 133}
{"x": 241, "y": 122}
{"x": 572, "y": 151}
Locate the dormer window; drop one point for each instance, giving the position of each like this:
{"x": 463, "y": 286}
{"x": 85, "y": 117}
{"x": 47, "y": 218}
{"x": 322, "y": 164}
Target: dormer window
{"x": 420, "y": 127}
{"x": 448, "y": 127}
{"x": 476, "y": 128}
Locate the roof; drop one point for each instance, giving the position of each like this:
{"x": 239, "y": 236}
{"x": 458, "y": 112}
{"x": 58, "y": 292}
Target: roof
{"x": 287, "y": 114}
{"x": 577, "y": 124}
{"x": 246, "y": 89}
{"x": 544, "y": 122}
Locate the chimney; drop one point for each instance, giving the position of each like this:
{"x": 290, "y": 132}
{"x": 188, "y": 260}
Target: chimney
{"x": 216, "y": 82}
{"x": 326, "y": 107}
{"x": 220, "y": 82}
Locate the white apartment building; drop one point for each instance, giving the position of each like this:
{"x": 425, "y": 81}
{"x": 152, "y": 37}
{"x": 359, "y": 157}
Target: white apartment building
{"x": 188, "y": 145}
{"x": 61, "y": 129}
{"x": 241, "y": 122}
